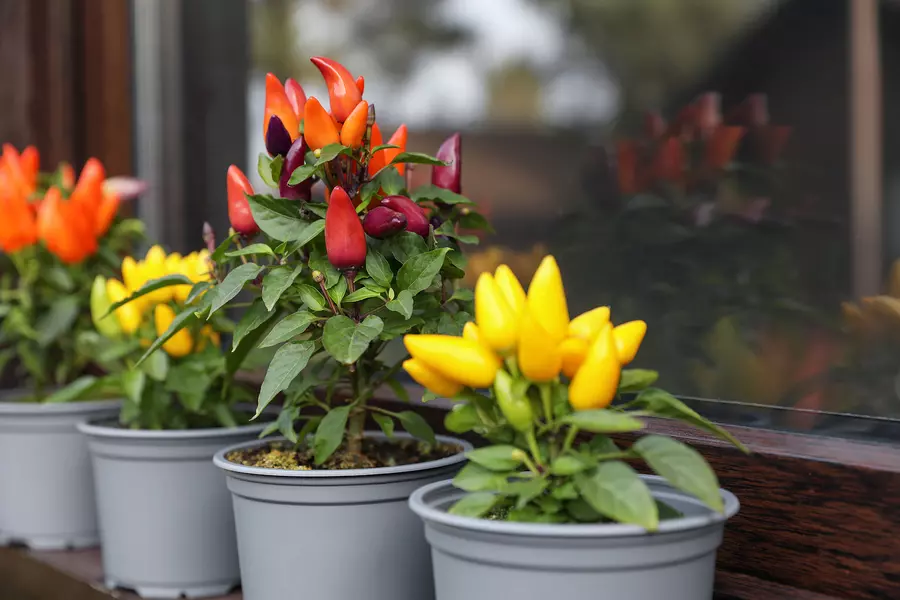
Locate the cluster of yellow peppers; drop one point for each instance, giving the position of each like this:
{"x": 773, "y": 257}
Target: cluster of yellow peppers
{"x": 531, "y": 334}
{"x": 129, "y": 318}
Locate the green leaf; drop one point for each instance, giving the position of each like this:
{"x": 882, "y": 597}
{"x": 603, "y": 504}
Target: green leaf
{"x": 405, "y": 245}
{"x": 362, "y": 294}
{"x": 232, "y": 285}
{"x": 276, "y": 282}
{"x": 330, "y": 433}
{"x": 311, "y": 297}
{"x": 603, "y": 421}
{"x": 331, "y": 151}
{"x": 383, "y": 147}
{"x": 416, "y": 425}
{"x": 190, "y": 381}
{"x": 256, "y": 316}
{"x": 277, "y": 217}
{"x": 663, "y": 404}
{"x": 634, "y": 380}
{"x": 682, "y": 466}
{"x": 666, "y": 512}
{"x": 287, "y": 363}
{"x": 58, "y": 320}
{"x": 251, "y": 249}
{"x": 285, "y": 424}
{"x": 234, "y": 360}
{"x": 219, "y": 253}
{"x": 527, "y": 490}
{"x": 73, "y": 391}
{"x": 566, "y": 491}
{"x": 463, "y": 295}
{"x": 181, "y": 320}
{"x": 402, "y": 304}
{"x": 398, "y": 389}
{"x": 264, "y": 168}
{"x": 378, "y": 268}
{"x": 418, "y": 158}
{"x": 475, "y": 478}
{"x": 302, "y": 173}
{"x": 569, "y": 465}
{"x": 152, "y": 286}
{"x": 156, "y": 366}
{"x": 288, "y": 327}
{"x": 385, "y": 422}
{"x": 474, "y": 220}
{"x": 462, "y": 418}
{"x": 433, "y": 192}
{"x": 133, "y": 386}
{"x": 198, "y": 289}
{"x": 419, "y": 271}
{"x": 320, "y": 262}
{"x": 501, "y": 457}
{"x": 390, "y": 181}
{"x": 58, "y": 277}
{"x": 308, "y": 233}
{"x": 616, "y": 491}
{"x": 474, "y": 505}
{"x": 337, "y": 291}
{"x": 346, "y": 340}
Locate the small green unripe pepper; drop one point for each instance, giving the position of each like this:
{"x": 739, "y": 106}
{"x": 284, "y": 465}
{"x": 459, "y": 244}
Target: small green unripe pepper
{"x": 515, "y": 407}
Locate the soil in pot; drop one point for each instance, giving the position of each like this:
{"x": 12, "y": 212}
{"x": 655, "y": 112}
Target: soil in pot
{"x": 375, "y": 454}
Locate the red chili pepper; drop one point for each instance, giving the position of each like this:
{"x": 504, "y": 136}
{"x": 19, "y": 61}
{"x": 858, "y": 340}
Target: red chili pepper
{"x": 382, "y": 222}
{"x": 376, "y": 163}
{"x": 239, "y": 213}
{"x": 296, "y": 97}
{"x": 722, "y": 146}
{"x": 18, "y": 227}
{"x": 345, "y": 240}
{"x": 416, "y": 219}
{"x": 361, "y": 84}
{"x": 668, "y": 163}
{"x": 343, "y": 92}
{"x": 449, "y": 177}
{"x": 627, "y": 167}
{"x": 355, "y": 126}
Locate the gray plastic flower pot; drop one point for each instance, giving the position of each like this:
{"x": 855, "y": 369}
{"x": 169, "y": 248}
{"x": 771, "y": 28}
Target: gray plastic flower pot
{"x": 333, "y": 535}
{"x": 46, "y": 487}
{"x": 166, "y": 523}
{"x": 480, "y": 559}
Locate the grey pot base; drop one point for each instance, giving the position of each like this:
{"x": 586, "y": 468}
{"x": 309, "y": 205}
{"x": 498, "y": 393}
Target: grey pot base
{"x": 51, "y": 542}
{"x": 173, "y": 593}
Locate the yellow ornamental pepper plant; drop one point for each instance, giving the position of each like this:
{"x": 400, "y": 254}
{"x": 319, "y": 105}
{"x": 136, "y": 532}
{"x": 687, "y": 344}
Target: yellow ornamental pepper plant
{"x": 548, "y": 401}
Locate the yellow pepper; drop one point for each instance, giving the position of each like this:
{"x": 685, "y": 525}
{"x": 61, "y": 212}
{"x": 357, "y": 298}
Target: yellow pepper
{"x": 132, "y": 276}
{"x": 587, "y": 325}
{"x": 207, "y": 335}
{"x": 511, "y": 288}
{"x": 547, "y": 300}
{"x": 179, "y": 344}
{"x": 496, "y": 320}
{"x": 153, "y": 267}
{"x": 455, "y": 358}
{"x": 597, "y": 381}
{"x": 628, "y": 339}
{"x": 539, "y": 356}
{"x": 128, "y": 315}
{"x": 472, "y": 333}
{"x": 573, "y": 351}
{"x": 431, "y": 379}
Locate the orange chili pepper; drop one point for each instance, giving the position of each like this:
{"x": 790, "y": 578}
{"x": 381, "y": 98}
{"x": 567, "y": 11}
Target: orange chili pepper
{"x": 18, "y": 228}
{"x": 398, "y": 139}
{"x": 278, "y": 104}
{"x": 66, "y": 229}
{"x": 296, "y": 96}
{"x": 355, "y": 126}
{"x": 318, "y": 126}
{"x": 376, "y": 163}
{"x": 343, "y": 93}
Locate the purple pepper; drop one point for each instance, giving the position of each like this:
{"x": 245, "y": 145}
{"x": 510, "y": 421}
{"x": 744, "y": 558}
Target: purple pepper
{"x": 382, "y": 222}
{"x": 278, "y": 140}
{"x": 295, "y": 158}
{"x": 449, "y": 177}
{"x": 416, "y": 219}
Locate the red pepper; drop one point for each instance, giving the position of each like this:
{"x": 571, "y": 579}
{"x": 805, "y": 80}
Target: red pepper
{"x": 295, "y": 158}
{"x": 654, "y": 125}
{"x": 361, "y": 84}
{"x": 398, "y": 139}
{"x": 345, "y": 240}
{"x": 668, "y": 164}
{"x": 382, "y": 222}
{"x": 627, "y": 167}
{"x": 416, "y": 219}
{"x": 18, "y": 227}
{"x": 376, "y": 163}
{"x": 239, "y": 213}
{"x": 318, "y": 126}
{"x": 277, "y": 103}
{"x": 296, "y": 97}
{"x": 343, "y": 92}
{"x": 449, "y": 177}
{"x": 65, "y": 228}
{"x": 722, "y": 146}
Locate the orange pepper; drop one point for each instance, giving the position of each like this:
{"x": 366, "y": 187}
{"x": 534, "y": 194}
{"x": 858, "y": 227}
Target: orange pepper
{"x": 376, "y": 163}
{"x": 278, "y": 104}
{"x": 318, "y": 126}
{"x": 66, "y": 230}
{"x": 398, "y": 139}
{"x": 355, "y": 126}
{"x": 296, "y": 96}
{"x": 343, "y": 93}
{"x": 18, "y": 228}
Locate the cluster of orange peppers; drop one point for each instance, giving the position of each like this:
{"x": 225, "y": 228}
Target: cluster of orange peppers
{"x": 68, "y": 219}
{"x": 664, "y": 153}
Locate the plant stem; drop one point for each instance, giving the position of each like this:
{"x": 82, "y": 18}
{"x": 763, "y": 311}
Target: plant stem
{"x": 546, "y": 401}
{"x": 570, "y": 438}
{"x": 357, "y": 416}
{"x": 533, "y": 447}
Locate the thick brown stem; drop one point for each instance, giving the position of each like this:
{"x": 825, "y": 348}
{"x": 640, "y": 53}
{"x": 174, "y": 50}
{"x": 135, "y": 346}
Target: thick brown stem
{"x": 356, "y": 429}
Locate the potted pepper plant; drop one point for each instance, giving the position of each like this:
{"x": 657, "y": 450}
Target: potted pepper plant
{"x": 335, "y": 283}
{"x": 552, "y": 505}
{"x": 56, "y": 233}
{"x": 165, "y": 513}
